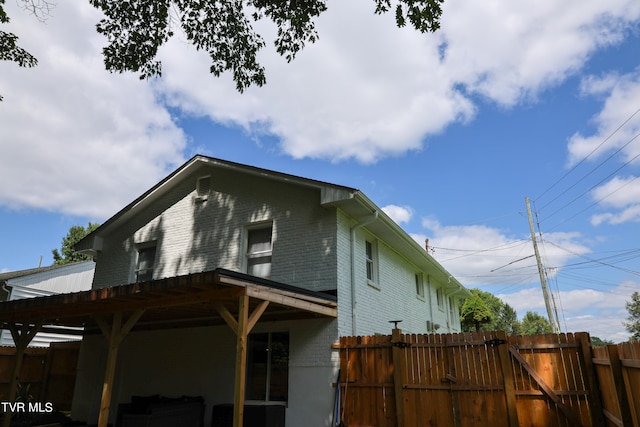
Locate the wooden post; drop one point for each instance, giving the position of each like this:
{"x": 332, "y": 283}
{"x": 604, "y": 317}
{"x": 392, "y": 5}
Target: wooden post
{"x": 241, "y": 361}
{"x": 114, "y": 334}
{"x": 618, "y": 382}
{"x": 507, "y": 378}
{"x": 21, "y": 339}
{"x": 398, "y": 368}
{"x": 597, "y": 414}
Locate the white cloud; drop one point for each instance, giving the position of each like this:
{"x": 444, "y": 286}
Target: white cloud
{"x": 79, "y": 131}
{"x": 618, "y": 123}
{"x": 597, "y": 311}
{"x": 480, "y": 255}
{"x": 510, "y": 50}
{"x": 400, "y": 214}
{"x": 365, "y": 90}
{"x": 620, "y": 194}
{"x": 379, "y": 91}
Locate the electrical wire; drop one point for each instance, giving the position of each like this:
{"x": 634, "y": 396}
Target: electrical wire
{"x": 598, "y": 183}
{"x": 586, "y": 157}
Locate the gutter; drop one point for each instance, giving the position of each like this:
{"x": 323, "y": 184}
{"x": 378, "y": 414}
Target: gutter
{"x": 361, "y": 223}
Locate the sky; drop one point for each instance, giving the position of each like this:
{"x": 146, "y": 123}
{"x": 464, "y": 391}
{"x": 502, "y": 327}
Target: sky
{"x": 448, "y": 132}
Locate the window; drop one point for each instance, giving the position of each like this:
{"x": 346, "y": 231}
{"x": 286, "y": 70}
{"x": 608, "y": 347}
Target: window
{"x": 203, "y": 188}
{"x": 452, "y": 311}
{"x": 268, "y": 367}
{"x": 259, "y": 248}
{"x": 371, "y": 258}
{"x": 144, "y": 266}
{"x": 419, "y": 285}
{"x": 440, "y": 298}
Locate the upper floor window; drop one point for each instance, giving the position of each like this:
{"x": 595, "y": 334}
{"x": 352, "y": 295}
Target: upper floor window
{"x": 419, "y": 285}
{"x": 440, "y": 298}
{"x": 145, "y": 263}
{"x": 259, "y": 249}
{"x": 452, "y": 310}
{"x": 371, "y": 258}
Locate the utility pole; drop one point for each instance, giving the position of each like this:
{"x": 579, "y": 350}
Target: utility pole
{"x": 543, "y": 280}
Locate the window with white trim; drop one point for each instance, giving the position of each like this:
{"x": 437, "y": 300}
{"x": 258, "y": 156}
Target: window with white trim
{"x": 440, "y": 298}
{"x": 371, "y": 259}
{"x": 259, "y": 250}
{"x": 419, "y": 285}
{"x": 452, "y": 311}
{"x": 145, "y": 263}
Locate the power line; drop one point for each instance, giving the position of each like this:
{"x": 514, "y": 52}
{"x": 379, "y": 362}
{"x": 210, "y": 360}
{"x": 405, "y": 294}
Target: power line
{"x": 598, "y": 183}
{"x": 585, "y": 158}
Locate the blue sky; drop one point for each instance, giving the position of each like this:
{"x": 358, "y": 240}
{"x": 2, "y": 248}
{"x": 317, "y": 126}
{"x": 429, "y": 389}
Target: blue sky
{"x": 448, "y": 132}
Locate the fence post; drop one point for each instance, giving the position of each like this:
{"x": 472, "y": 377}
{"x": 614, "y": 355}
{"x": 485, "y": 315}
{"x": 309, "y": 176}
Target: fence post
{"x": 618, "y": 382}
{"x": 507, "y": 378}
{"x": 398, "y": 368}
{"x": 597, "y": 414}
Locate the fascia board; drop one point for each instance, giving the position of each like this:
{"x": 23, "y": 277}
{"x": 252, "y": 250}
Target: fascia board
{"x": 406, "y": 245}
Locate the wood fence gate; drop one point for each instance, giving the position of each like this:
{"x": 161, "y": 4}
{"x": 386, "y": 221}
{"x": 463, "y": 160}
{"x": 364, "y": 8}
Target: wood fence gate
{"x": 468, "y": 379}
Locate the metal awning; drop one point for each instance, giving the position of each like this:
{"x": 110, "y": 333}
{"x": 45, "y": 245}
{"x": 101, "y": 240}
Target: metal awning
{"x": 200, "y": 299}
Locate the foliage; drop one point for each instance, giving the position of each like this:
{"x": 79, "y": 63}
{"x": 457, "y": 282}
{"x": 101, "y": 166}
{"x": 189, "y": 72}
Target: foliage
{"x": 475, "y": 312}
{"x": 9, "y": 49}
{"x": 67, "y": 254}
{"x": 503, "y": 316}
{"x": 633, "y": 321}
{"x": 599, "y": 342}
{"x": 535, "y": 324}
{"x": 136, "y": 29}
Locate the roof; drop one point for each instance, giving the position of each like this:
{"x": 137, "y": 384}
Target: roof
{"x": 189, "y": 300}
{"x": 28, "y": 272}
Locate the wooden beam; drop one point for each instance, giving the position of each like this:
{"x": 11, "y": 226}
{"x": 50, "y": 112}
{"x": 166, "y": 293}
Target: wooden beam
{"x": 115, "y": 334}
{"x": 286, "y": 300}
{"x": 21, "y": 339}
{"x": 227, "y": 316}
{"x": 241, "y": 361}
{"x": 255, "y": 315}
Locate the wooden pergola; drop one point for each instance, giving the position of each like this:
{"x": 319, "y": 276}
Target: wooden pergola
{"x": 201, "y": 299}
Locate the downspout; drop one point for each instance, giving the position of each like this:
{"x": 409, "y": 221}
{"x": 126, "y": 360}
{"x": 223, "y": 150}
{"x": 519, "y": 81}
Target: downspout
{"x": 432, "y": 328}
{"x": 361, "y": 223}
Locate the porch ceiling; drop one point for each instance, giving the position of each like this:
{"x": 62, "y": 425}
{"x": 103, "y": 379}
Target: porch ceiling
{"x": 183, "y": 301}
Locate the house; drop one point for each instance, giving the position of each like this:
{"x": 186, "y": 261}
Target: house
{"x": 43, "y": 281}
{"x": 232, "y": 282}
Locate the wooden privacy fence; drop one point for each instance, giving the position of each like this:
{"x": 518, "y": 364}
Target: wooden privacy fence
{"x": 47, "y": 374}
{"x": 618, "y": 372}
{"x": 469, "y": 379}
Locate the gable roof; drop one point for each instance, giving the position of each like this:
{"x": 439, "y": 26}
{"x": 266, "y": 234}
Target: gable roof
{"x": 350, "y": 200}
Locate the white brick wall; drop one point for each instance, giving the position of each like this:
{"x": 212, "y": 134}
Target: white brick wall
{"x": 198, "y": 236}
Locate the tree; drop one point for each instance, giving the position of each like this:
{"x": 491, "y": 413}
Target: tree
{"x": 475, "y": 312}
{"x": 535, "y": 324}
{"x": 633, "y": 321}
{"x": 503, "y": 316}
{"x": 136, "y": 29}
{"x": 599, "y": 342}
{"x": 9, "y": 49}
{"x": 75, "y": 234}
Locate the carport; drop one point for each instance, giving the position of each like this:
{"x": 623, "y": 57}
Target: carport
{"x": 201, "y": 299}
